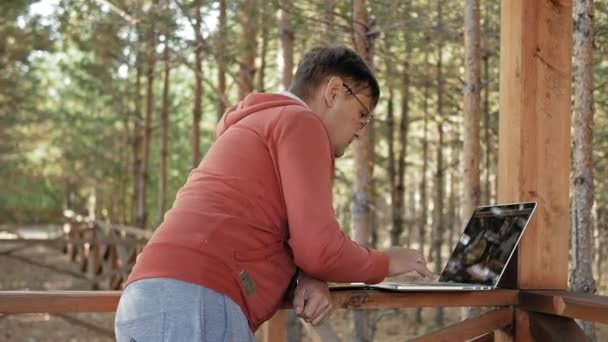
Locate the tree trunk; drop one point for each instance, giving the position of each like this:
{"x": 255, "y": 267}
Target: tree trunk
{"x": 142, "y": 212}
{"x": 249, "y": 16}
{"x": 487, "y": 137}
{"x": 222, "y": 102}
{"x": 601, "y": 219}
{"x": 398, "y": 178}
{"x": 453, "y": 223}
{"x": 121, "y": 214}
{"x": 264, "y": 48}
{"x": 471, "y": 148}
{"x": 403, "y": 133}
{"x": 198, "y": 91}
{"x": 164, "y": 131}
{"x": 397, "y": 222}
{"x": 439, "y": 175}
{"x": 422, "y": 222}
{"x": 330, "y": 33}
{"x": 124, "y": 165}
{"x": 471, "y": 188}
{"x": 412, "y": 212}
{"x": 286, "y": 39}
{"x": 287, "y": 36}
{"x": 363, "y": 157}
{"x": 137, "y": 141}
{"x": 487, "y": 194}
{"x": 294, "y": 327}
{"x": 361, "y": 205}
{"x": 582, "y": 195}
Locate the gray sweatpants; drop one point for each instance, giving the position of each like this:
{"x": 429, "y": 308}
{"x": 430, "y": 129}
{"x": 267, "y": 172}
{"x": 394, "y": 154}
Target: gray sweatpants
{"x": 163, "y": 309}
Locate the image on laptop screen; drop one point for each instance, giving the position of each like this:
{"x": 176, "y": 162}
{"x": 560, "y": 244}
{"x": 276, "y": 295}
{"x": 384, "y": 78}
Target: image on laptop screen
{"x": 487, "y": 243}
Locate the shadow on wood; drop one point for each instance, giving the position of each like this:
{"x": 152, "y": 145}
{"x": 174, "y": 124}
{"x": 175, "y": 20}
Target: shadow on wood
{"x": 554, "y": 328}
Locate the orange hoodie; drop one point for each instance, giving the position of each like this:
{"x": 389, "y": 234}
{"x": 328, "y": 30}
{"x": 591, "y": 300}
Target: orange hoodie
{"x": 259, "y": 204}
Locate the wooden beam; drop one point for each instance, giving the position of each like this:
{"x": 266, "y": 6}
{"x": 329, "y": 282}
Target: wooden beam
{"x": 274, "y": 329}
{"x": 568, "y": 304}
{"x": 501, "y": 335}
{"x": 534, "y": 132}
{"x": 378, "y": 299}
{"x": 522, "y": 326}
{"x": 555, "y": 328}
{"x": 58, "y": 301}
{"x": 106, "y": 301}
{"x": 127, "y": 230}
{"x": 472, "y": 328}
{"x": 489, "y": 337}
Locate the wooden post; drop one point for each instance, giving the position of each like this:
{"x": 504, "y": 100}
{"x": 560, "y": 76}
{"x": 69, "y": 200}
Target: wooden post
{"x": 534, "y": 136}
{"x": 274, "y": 329}
{"x": 534, "y": 132}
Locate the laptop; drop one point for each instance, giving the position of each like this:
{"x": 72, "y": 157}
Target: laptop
{"x": 481, "y": 255}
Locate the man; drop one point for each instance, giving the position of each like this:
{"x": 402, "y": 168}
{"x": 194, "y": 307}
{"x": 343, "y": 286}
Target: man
{"x": 258, "y": 208}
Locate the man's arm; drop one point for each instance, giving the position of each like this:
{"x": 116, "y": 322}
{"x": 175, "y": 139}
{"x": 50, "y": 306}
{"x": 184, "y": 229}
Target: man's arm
{"x": 305, "y": 166}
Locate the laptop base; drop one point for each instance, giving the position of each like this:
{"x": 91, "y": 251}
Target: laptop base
{"x": 407, "y": 287}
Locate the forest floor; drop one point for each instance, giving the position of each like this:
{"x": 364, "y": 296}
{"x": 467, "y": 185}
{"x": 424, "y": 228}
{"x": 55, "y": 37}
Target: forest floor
{"x": 391, "y": 324}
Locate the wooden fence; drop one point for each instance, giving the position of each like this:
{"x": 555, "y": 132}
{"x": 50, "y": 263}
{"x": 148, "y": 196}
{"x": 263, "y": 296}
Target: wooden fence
{"x": 550, "y": 312}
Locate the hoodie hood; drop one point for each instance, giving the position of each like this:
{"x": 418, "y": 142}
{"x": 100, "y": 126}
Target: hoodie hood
{"x": 252, "y": 103}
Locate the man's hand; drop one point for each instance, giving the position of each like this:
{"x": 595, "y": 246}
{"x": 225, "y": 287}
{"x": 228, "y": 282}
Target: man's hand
{"x": 312, "y": 301}
{"x": 404, "y": 260}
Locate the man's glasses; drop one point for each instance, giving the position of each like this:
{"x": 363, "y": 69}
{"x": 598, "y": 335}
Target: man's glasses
{"x": 368, "y": 116}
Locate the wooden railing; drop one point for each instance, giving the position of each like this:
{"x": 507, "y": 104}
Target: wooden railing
{"x": 549, "y": 310}
{"x": 106, "y": 252}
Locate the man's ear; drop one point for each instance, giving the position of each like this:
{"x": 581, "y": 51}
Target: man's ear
{"x": 332, "y": 89}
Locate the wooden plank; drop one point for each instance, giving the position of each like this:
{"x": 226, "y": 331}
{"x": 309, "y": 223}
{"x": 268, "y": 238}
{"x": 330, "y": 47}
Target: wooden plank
{"x": 555, "y": 328}
{"x": 568, "y": 304}
{"x": 129, "y": 230}
{"x": 106, "y": 301}
{"x": 522, "y": 326}
{"x": 489, "y": 337}
{"x": 502, "y": 336}
{"x": 473, "y": 327}
{"x": 274, "y": 329}
{"x": 321, "y": 333}
{"x": 58, "y": 301}
{"x": 534, "y": 132}
{"x": 377, "y": 299}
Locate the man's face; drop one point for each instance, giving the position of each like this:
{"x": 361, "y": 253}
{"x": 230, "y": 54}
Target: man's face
{"x": 347, "y": 116}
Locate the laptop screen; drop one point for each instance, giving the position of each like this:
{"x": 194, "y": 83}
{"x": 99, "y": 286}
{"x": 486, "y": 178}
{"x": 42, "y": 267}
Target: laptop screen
{"x": 487, "y": 243}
